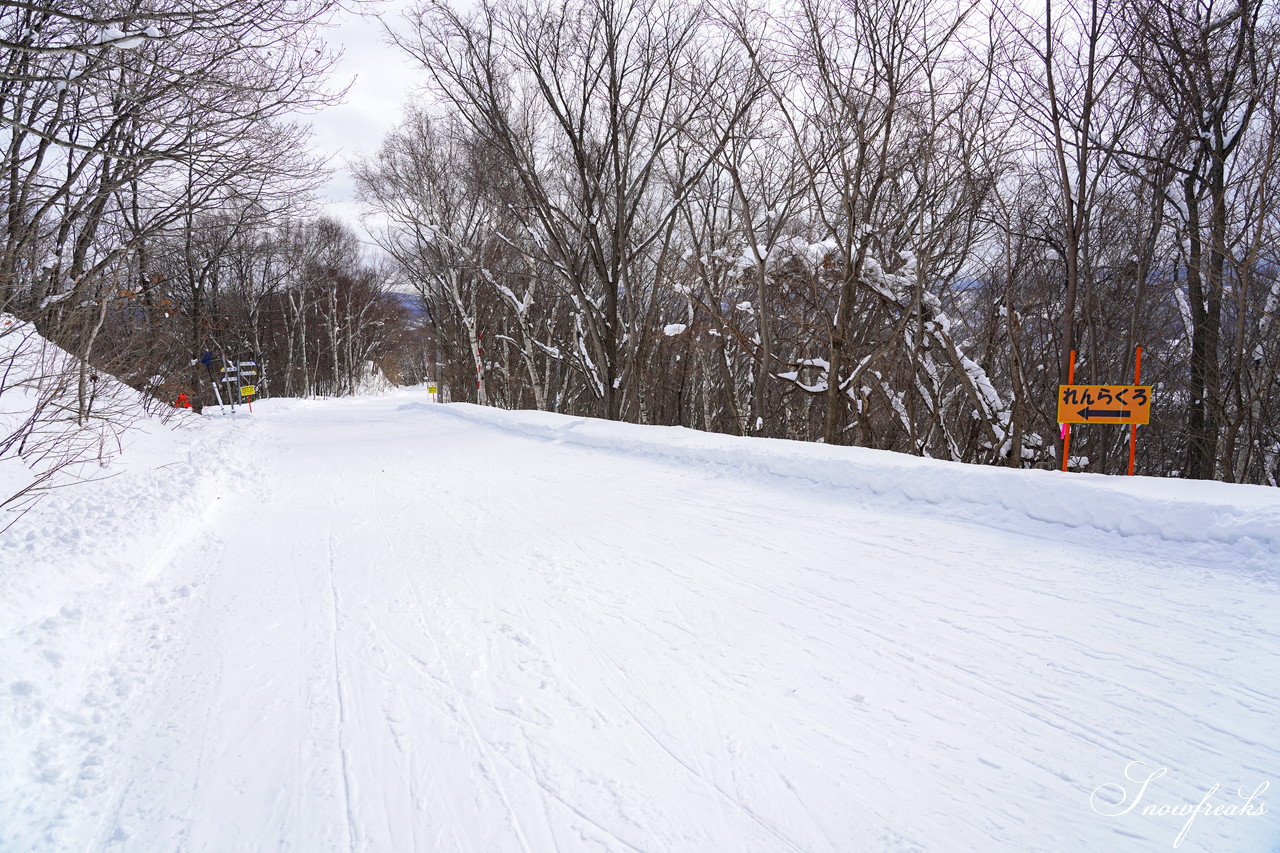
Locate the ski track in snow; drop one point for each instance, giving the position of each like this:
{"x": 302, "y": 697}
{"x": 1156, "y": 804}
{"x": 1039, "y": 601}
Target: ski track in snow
{"x": 398, "y": 627}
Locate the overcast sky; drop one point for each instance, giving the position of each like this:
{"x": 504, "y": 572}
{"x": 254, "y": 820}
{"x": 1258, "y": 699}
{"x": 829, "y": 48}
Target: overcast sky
{"x": 383, "y": 77}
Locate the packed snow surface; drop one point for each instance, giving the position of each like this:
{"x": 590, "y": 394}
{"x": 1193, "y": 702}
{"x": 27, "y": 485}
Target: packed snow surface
{"x": 379, "y": 624}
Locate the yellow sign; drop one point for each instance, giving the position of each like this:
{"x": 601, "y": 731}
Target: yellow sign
{"x": 1104, "y": 404}
{"x": 431, "y": 389}
{"x": 247, "y": 390}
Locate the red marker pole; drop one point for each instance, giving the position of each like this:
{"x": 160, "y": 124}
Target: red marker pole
{"x": 1066, "y": 428}
{"x": 1133, "y": 428}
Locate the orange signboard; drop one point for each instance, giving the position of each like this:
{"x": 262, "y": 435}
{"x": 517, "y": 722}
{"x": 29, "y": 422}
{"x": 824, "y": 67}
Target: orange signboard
{"x": 1104, "y": 404}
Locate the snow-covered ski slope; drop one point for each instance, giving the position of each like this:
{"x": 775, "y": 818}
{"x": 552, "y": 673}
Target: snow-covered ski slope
{"x": 379, "y": 624}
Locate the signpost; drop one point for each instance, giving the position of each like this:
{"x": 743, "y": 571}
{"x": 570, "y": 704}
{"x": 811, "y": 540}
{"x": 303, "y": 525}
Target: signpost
{"x": 1104, "y": 404}
{"x": 237, "y": 375}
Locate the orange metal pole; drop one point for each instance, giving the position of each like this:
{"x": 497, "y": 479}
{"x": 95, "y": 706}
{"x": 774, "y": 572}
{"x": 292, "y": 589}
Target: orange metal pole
{"x": 1133, "y": 428}
{"x": 1066, "y": 435}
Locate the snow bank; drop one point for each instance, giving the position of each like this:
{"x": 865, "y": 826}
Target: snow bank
{"x": 115, "y": 563}
{"x": 1214, "y": 515}
{"x": 81, "y": 559}
{"x": 42, "y": 443}
{"x": 134, "y": 474}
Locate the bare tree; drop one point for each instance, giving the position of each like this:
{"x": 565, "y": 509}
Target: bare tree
{"x": 582, "y": 100}
{"x": 1207, "y": 67}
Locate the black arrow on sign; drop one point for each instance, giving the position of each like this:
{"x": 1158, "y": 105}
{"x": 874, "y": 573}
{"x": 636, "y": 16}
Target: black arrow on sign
{"x": 1087, "y": 413}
